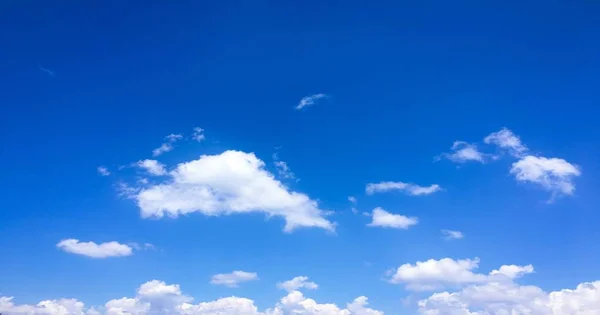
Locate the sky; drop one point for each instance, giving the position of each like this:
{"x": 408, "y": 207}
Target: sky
{"x": 299, "y": 157}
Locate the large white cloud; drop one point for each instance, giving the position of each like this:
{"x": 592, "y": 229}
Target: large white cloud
{"x": 91, "y": 249}
{"x": 234, "y": 278}
{"x": 232, "y": 182}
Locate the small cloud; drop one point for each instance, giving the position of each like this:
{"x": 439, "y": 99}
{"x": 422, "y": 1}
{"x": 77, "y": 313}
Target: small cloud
{"x": 124, "y": 190}
{"x": 309, "y": 100}
{"x": 47, "y": 71}
{"x": 553, "y": 174}
{"x": 411, "y": 189}
{"x": 352, "y": 199}
{"x": 198, "y": 134}
{"x": 168, "y": 145}
{"x": 234, "y": 278}
{"x": 93, "y": 250}
{"x": 174, "y": 137}
{"x": 103, "y": 171}
{"x": 297, "y": 283}
{"x": 463, "y": 152}
{"x": 506, "y": 139}
{"x": 283, "y": 169}
{"x": 382, "y": 218}
{"x": 452, "y": 235}
{"x": 153, "y": 167}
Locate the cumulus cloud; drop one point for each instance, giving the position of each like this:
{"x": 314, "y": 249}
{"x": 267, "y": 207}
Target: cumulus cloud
{"x": 93, "y": 250}
{"x": 156, "y": 297}
{"x": 382, "y": 218}
{"x": 436, "y": 274}
{"x": 103, "y": 171}
{"x": 234, "y": 278}
{"x": 232, "y": 182}
{"x": 507, "y": 140}
{"x": 198, "y": 134}
{"x": 411, "y": 189}
{"x": 463, "y": 152}
{"x": 452, "y": 235}
{"x": 310, "y": 100}
{"x": 167, "y": 145}
{"x": 296, "y": 283}
{"x": 153, "y": 167}
{"x": 553, "y": 174}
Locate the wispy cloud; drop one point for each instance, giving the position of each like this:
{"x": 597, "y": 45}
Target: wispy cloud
{"x": 463, "y": 152}
{"x": 168, "y": 145}
{"x": 297, "y": 283}
{"x": 103, "y": 171}
{"x": 310, "y": 100}
{"x": 452, "y": 235}
{"x": 507, "y": 140}
{"x": 198, "y": 134}
{"x": 47, "y": 71}
{"x": 283, "y": 169}
{"x": 411, "y": 189}
{"x": 234, "y": 278}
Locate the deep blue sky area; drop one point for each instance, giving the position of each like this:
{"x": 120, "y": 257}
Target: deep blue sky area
{"x": 85, "y": 84}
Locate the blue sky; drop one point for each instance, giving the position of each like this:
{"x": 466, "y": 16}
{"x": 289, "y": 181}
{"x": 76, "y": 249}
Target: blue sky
{"x": 342, "y": 95}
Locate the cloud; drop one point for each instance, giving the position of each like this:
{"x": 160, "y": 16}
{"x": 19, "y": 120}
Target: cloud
{"x": 411, "y": 189}
{"x": 47, "y": 71}
{"x": 153, "y": 167}
{"x": 553, "y": 174}
{"x": 198, "y": 134}
{"x": 506, "y": 139}
{"x": 463, "y": 152}
{"x": 283, "y": 169}
{"x": 93, "y": 250}
{"x": 436, "y": 274}
{"x": 157, "y": 297}
{"x": 103, "y": 171}
{"x": 352, "y": 199}
{"x": 168, "y": 145}
{"x": 309, "y": 100}
{"x": 234, "y": 278}
{"x": 297, "y": 283}
{"x": 232, "y": 182}
{"x": 382, "y": 218}
{"x": 452, "y": 235}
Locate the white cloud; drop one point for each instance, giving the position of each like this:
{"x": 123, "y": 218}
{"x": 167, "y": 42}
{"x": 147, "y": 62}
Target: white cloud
{"x": 507, "y": 140}
{"x": 153, "y": 167}
{"x": 352, "y": 199}
{"x": 234, "y": 278}
{"x": 452, "y": 235}
{"x": 156, "y": 297}
{"x": 436, "y": 274}
{"x": 463, "y": 152}
{"x": 382, "y": 218}
{"x": 553, "y": 174}
{"x": 229, "y": 183}
{"x": 91, "y": 249}
{"x": 198, "y": 134}
{"x": 283, "y": 169}
{"x": 309, "y": 100}
{"x": 297, "y": 283}
{"x": 103, "y": 171}
{"x": 411, "y": 189}
{"x": 168, "y": 145}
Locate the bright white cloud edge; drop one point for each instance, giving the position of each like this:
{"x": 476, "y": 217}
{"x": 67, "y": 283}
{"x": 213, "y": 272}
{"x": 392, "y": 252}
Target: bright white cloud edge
{"x": 300, "y": 282}
{"x": 94, "y": 250}
{"x": 382, "y": 218}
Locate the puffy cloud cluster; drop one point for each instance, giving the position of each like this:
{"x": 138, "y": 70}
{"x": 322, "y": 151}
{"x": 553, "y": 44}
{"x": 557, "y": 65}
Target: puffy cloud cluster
{"x": 232, "y": 182}
{"x": 156, "y": 297}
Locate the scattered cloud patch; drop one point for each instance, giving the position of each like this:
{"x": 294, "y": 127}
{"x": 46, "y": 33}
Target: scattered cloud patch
{"x": 232, "y": 182}
{"x": 382, "y": 218}
{"x": 283, "y": 169}
{"x": 452, "y": 235}
{"x": 234, "y": 278}
{"x": 309, "y": 100}
{"x": 408, "y": 188}
{"x": 352, "y": 199}
{"x": 93, "y": 250}
{"x": 168, "y": 145}
{"x": 297, "y": 283}
{"x": 198, "y": 134}
{"x": 513, "y": 271}
{"x": 153, "y": 167}
{"x": 103, "y": 171}
{"x": 552, "y": 174}
{"x": 506, "y": 139}
{"x": 47, "y": 71}
{"x": 463, "y": 152}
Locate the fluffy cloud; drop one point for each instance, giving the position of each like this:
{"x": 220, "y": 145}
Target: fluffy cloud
{"x": 382, "y": 218}
{"x": 452, "y": 235}
{"x": 153, "y": 167}
{"x": 103, "y": 171}
{"x": 91, "y": 249}
{"x": 507, "y": 140}
{"x": 297, "y": 283}
{"x": 513, "y": 271}
{"x": 156, "y": 297}
{"x": 411, "y": 189}
{"x": 232, "y": 182}
{"x": 234, "y": 278}
{"x": 463, "y": 152}
{"x": 310, "y": 100}
{"x": 553, "y": 174}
